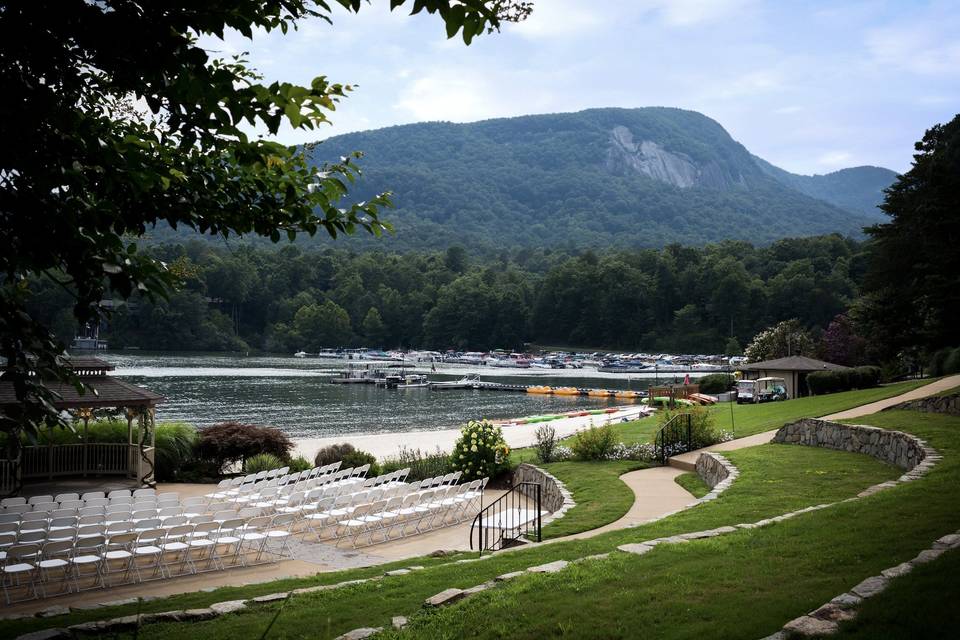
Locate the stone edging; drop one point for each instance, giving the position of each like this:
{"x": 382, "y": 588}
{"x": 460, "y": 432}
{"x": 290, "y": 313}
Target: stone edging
{"x": 949, "y": 405}
{"x": 554, "y": 496}
{"x": 717, "y": 472}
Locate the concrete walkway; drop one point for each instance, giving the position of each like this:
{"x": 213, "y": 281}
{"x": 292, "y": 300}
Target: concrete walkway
{"x": 687, "y": 461}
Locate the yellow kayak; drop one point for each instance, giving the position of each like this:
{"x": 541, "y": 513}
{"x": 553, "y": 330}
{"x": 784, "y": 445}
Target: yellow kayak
{"x": 599, "y": 393}
{"x": 540, "y": 389}
{"x": 628, "y": 395}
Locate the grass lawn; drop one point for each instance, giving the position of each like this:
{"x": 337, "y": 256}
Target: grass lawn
{"x": 919, "y": 605}
{"x": 774, "y": 479}
{"x": 600, "y": 494}
{"x": 693, "y": 483}
{"x": 705, "y": 588}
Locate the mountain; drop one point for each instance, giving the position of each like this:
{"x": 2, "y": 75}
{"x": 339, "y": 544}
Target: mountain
{"x": 597, "y": 178}
{"x": 855, "y": 189}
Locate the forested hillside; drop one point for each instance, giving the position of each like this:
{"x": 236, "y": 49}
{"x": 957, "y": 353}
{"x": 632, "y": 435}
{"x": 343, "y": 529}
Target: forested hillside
{"x": 678, "y": 298}
{"x": 597, "y": 178}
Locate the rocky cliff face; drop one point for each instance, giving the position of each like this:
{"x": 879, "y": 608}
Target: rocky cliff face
{"x": 625, "y": 155}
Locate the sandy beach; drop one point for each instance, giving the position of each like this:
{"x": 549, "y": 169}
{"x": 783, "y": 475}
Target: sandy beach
{"x": 517, "y": 435}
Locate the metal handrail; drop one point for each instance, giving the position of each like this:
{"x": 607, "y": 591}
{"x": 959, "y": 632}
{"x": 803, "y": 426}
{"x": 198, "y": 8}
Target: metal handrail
{"x": 509, "y": 518}
{"x": 675, "y": 437}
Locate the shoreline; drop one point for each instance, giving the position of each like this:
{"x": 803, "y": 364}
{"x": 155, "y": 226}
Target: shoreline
{"x": 516, "y": 435}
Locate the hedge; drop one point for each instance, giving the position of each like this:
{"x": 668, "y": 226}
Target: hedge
{"x": 715, "y": 383}
{"x": 821, "y": 382}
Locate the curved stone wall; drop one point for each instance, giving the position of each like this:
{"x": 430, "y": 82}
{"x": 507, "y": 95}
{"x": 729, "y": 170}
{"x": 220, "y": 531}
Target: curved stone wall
{"x": 949, "y": 405}
{"x": 895, "y": 447}
{"x": 554, "y": 496}
{"x": 717, "y": 472}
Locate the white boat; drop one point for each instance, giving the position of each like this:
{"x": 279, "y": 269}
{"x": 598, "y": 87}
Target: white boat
{"x": 703, "y": 366}
{"x": 466, "y": 382}
{"x": 300, "y": 354}
{"x": 414, "y": 381}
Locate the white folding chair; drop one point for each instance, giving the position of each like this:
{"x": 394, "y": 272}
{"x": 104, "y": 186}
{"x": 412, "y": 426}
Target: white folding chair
{"x": 118, "y": 557}
{"x": 87, "y": 561}
{"x": 55, "y": 563}
{"x": 176, "y": 549}
{"x": 20, "y": 570}
{"x": 149, "y": 548}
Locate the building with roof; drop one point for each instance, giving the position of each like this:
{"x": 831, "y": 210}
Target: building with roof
{"x": 793, "y": 369}
{"x": 133, "y": 458}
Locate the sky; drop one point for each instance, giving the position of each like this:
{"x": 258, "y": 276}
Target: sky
{"x": 811, "y": 86}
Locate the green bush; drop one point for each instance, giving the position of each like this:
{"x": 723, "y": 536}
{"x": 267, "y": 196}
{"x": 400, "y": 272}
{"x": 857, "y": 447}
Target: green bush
{"x": 481, "y": 451}
{"x": 715, "y": 383}
{"x": 299, "y": 464}
{"x": 358, "y": 458}
{"x": 703, "y": 429}
{"x": 422, "y": 465}
{"x": 175, "y": 449}
{"x": 262, "y": 462}
{"x": 952, "y": 362}
{"x": 595, "y": 443}
{"x": 546, "y": 443}
{"x": 822, "y": 382}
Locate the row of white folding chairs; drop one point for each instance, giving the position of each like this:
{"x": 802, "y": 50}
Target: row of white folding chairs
{"x": 92, "y": 507}
{"x": 450, "y": 478}
{"x": 118, "y": 493}
{"x": 393, "y": 517}
{"x": 54, "y": 504}
{"x": 273, "y": 496}
{"x": 31, "y": 566}
{"x": 252, "y": 493}
{"x": 236, "y": 486}
{"x": 280, "y": 475}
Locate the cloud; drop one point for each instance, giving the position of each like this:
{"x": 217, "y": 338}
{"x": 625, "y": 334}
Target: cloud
{"x": 448, "y": 96}
{"x": 685, "y": 13}
{"x": 788, "y": 110}
{"x": 558, "y": 18}
{"x": 835, "y": 158}
{"x": 929, "y": 46}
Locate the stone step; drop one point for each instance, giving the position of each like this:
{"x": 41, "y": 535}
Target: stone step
{"x": 683, "y": 465}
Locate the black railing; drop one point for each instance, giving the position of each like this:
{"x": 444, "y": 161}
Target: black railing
{"x": 513, "y": 516}
{"x": 674, "y": 438}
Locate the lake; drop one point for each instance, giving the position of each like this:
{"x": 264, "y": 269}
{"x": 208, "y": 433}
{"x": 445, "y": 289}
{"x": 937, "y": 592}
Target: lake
{"x": 296, "y": 395}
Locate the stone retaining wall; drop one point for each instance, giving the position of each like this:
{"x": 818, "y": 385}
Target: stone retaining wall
{"x": 895, "y": 447}
{"x": 554, "y": 496}
{"x": 711, "y": 469}
{"x": 949, "y": 405}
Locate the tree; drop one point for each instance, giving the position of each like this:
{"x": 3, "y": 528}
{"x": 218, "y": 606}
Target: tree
{"x": 323, "y": 325}
{"x": 787, "y": 338}
{"x": 84, "y": 168}
{"x": 912, "y": 288}
{"x": 733, "y": 347}
{"x": 373, "y": 327}
{"x": 840, "y": 343}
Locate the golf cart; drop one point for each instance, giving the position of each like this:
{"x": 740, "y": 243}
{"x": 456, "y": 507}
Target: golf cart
{"x": 761, "y": 390}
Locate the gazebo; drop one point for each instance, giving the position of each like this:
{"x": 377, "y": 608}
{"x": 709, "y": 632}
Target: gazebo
{"x": 793, "y": 369}
{"x": 133, "y": 458}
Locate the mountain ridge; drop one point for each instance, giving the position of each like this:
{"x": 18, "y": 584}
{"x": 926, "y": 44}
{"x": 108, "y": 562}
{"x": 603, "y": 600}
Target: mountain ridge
{"x": 600, "y": 177}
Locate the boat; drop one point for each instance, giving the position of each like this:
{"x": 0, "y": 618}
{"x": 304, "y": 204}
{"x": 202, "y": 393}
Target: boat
{"x": 414, "y": 381}
{"x": 599, "y": 393}
{"x": 466, "y": 382}
{"x": 629, "y": 395}
{"x": 619, "y": 367}
{"x": 704, "y": 366}
{"x": 566, "y": 391}
{"x": 300, "y": 354}
{"x": 357, "y": 374}
{"x": 540, "y": 389}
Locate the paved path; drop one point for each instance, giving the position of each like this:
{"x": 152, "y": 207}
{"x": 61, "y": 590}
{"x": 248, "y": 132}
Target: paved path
{"x": 687, "y": 461}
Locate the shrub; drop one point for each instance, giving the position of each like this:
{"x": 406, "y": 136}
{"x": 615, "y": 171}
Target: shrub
{"x": 333, "y": 453}
{"x": 715, "y": 383}
{"x": 231, "y": 443}
{"x": 821, "y": 382}
{"x": 358, "y": 458}
{"x": 176, "y": 444}
{"x": 422, "y": 465}
{"x": 481, "y": 451}
{"x": 262, "y": 462}
{"x": 703, "y": 429}
{"x": 595, "y": 443}
{"x": 546, "y": 443}
{"x": 952, "y": 362}
{"x": 299, "y": 464}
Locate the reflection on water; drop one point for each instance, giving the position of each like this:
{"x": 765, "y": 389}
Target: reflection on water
{"x": 294, "y": 394}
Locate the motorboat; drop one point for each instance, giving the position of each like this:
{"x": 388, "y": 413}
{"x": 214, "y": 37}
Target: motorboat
{"x": 414, "y": 381}
{"x": 300, "y": 354}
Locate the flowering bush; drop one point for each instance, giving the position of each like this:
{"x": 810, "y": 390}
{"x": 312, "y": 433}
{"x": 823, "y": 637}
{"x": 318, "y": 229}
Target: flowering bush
{"x": 481, "y": 450}
{"x": 643, "y": 451}
{"x": 595, "y": 443}
{"x": 561, "y": 453}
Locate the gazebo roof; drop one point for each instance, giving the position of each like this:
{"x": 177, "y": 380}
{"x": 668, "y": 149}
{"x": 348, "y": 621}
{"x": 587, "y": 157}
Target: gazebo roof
{"x": 793, "y": 363}
{"x": 106, "y": 391}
